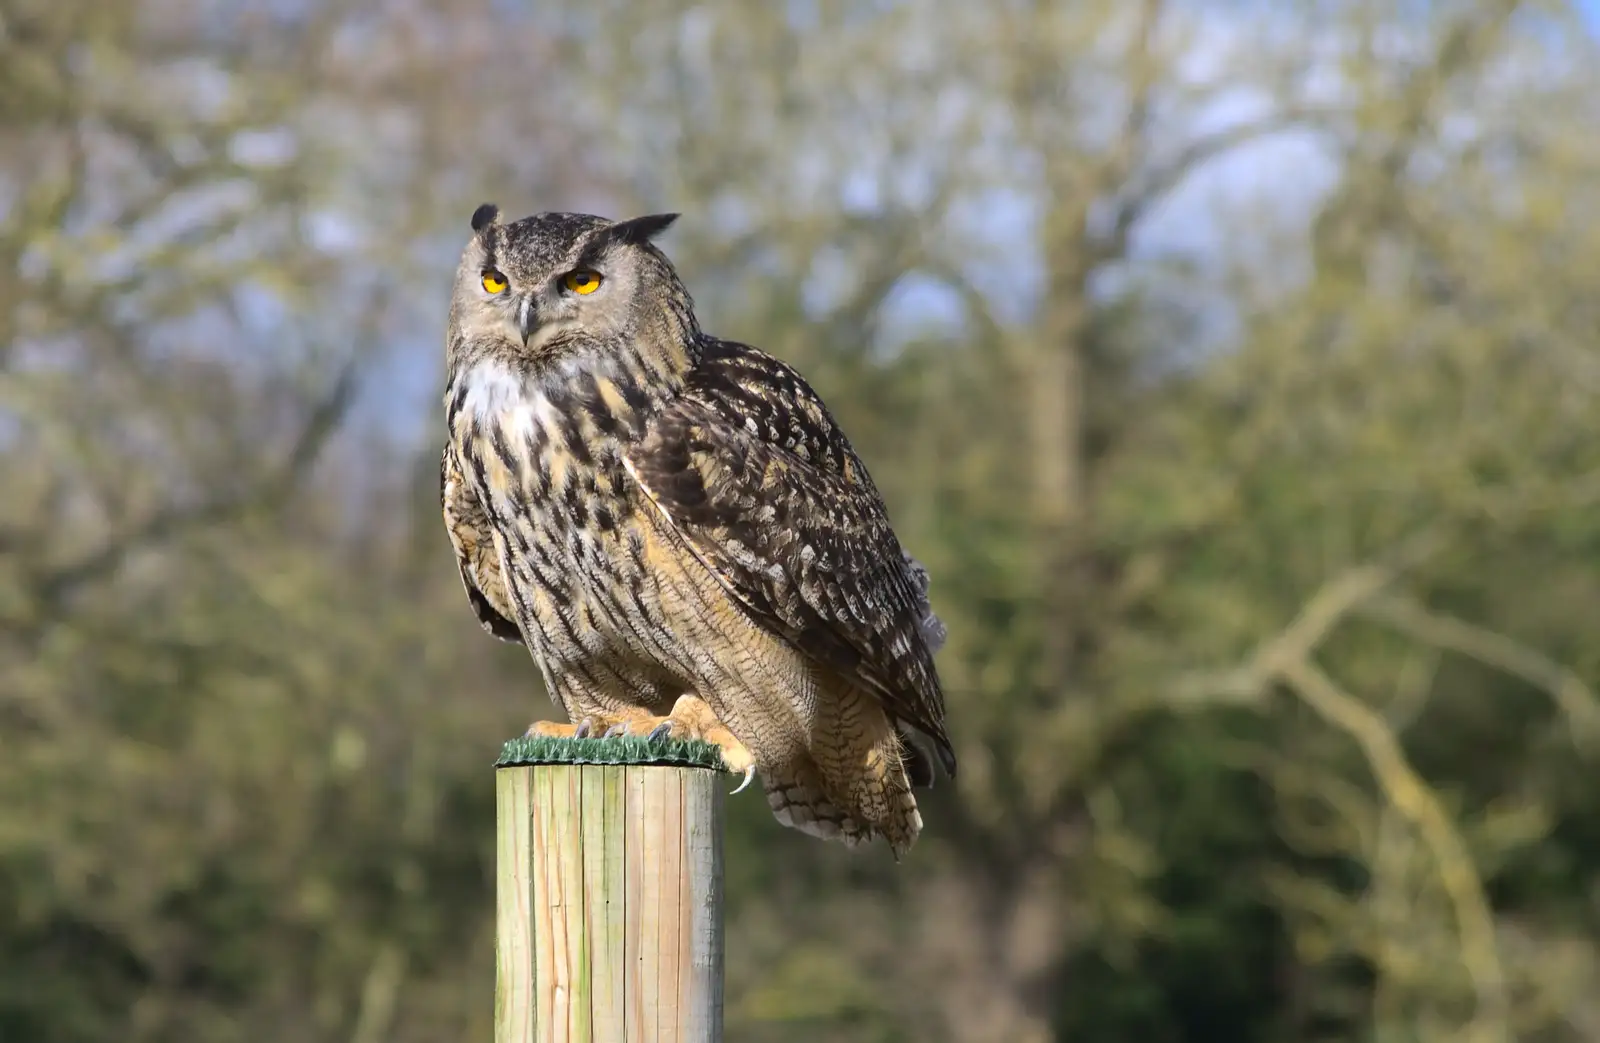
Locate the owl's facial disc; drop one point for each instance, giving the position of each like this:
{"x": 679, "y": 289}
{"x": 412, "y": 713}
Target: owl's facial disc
{"x": 532, "y": 314}
{"x": 554, "y": 284}
{"x": 562, "y": 305}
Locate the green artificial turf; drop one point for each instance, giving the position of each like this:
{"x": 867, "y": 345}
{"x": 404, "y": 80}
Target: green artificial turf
{"x": 620, "y": 749}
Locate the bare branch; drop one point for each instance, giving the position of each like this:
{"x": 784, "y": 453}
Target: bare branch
{"x": 171, "y": 521}
{"x": 1576, "y": 700}
{"x": 1414, "y": 799}
{"x": 1371, "y": 196}
{"x": 976, "y": 304}
{"x": 1333, "y": 603}
{"x": 1152, "y": 185}
{"x": 1143, "y": 74}
{"x": 380, "y": 994}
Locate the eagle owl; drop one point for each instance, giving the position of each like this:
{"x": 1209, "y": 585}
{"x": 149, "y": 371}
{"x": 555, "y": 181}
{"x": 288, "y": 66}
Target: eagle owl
{"x": 679, "y": 532}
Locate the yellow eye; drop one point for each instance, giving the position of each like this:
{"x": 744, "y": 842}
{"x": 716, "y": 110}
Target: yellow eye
{"x": 582, "y": 282}
{"x": 493, "y": 281}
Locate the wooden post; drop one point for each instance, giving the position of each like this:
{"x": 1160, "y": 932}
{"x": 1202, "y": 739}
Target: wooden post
{"x": 609, "y": 892}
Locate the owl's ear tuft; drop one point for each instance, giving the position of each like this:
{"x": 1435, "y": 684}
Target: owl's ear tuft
{"x": 483, "y": 216}
{"x": 640, "y": 230}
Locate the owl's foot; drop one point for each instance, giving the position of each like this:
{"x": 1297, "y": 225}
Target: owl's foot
{"x": 690, "y": 718}
{"x": 593, "y": 726}
{"x": 557, "y": 730}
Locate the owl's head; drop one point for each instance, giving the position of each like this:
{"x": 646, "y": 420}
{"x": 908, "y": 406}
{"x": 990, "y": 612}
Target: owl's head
{"x": 555, "y": 285}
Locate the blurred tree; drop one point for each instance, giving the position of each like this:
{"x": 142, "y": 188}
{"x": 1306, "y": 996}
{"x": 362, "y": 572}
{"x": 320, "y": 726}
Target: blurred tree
{"x": 226, "y": 761}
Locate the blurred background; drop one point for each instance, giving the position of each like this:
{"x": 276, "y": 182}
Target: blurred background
{"x": 1233, "y": 366}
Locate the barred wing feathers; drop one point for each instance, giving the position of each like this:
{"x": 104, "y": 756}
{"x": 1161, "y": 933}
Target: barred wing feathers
{"x": 750, "y": 468}
{"x": 468, "y": 526}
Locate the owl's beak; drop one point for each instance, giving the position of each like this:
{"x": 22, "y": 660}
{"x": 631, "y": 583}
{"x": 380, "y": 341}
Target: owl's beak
{"x": 527, "y": 318}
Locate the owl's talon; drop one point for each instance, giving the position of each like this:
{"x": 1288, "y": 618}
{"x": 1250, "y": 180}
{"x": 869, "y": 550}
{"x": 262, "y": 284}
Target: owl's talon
{"x": 749, "y": 773}
{"x": 583, "y": 729}
{"x": 660, "y": 731}
{"x": 615, "y": 730}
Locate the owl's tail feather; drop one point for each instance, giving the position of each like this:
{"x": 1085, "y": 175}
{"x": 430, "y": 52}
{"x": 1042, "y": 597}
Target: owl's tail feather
{"x": 801, "y": 805}
{"x": 872, "y": 799}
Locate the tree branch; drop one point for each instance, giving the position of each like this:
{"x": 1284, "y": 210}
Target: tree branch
{"x": 1372, "y": 196}
{"x": 1333, "y": 602}
{"x": 1576, "y": 700}
{"x": 1154, "y": 184}
{"x": 1413, "y": 798}
{"x": 161, "y": 525}
{"x": 1125, "y": 153}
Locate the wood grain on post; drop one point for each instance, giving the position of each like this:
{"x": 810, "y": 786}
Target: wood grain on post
{"x": 609, "y": 895}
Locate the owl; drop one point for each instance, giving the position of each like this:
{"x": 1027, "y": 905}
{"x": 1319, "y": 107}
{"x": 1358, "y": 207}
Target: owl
{"x": 676, "y": 528}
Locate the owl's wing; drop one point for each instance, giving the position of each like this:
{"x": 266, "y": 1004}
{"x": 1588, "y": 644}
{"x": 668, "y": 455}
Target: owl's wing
{"x": 749, "y": 467}
{"x": 468, "y": 526}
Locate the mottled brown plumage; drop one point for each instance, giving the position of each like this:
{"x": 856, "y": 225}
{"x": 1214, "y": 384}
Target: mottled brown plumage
{"x": 679, "y": 531}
